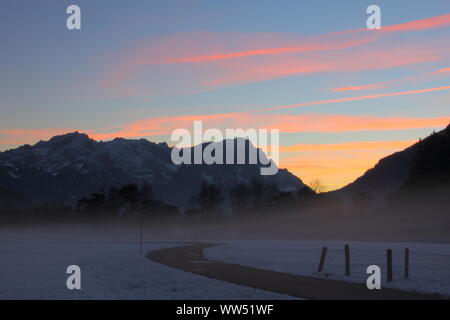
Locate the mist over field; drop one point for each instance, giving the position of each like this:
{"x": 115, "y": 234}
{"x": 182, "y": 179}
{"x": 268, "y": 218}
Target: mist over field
{"x": 430, "y": 223}
{"x": 36, "y": 252}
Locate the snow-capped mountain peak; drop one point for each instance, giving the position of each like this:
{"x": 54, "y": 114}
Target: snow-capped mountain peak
{"x": 72, "y": 165}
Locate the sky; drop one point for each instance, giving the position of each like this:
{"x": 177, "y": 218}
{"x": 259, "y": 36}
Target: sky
{"x": 341, "y": 95}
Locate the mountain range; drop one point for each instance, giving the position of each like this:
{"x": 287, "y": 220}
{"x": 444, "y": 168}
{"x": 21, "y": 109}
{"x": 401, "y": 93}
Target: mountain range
{"x": 70, "y": 166}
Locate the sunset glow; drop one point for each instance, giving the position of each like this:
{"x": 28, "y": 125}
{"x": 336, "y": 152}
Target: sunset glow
{"x": 341, "y": 95}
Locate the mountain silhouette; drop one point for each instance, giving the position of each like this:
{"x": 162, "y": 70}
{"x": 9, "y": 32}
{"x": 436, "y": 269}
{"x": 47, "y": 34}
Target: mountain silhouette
{"x": 67, "y": 167}
{"x": 423, "y": 167}
{"x": 70, "y": 166}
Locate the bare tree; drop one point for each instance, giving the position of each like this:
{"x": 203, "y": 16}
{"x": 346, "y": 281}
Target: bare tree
{"x": 317, "y": 186}
{"x": 209, "y": 198}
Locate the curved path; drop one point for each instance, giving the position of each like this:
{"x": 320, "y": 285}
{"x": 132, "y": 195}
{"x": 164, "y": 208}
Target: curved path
{"x": 190, "y": 258}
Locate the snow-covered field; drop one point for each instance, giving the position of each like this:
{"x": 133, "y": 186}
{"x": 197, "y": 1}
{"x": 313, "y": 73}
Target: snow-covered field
{"x": 429, "y": 263}
{"x": 115, "y": 270}
{"x": 109, "y": 270}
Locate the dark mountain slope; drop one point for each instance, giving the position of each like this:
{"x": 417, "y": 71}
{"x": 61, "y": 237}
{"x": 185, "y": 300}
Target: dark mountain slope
{"x": 430, "y": 167}
{"x": 422, "y": 166}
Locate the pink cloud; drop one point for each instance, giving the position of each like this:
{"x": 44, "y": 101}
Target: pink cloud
{"x": 445, "y": 70}
{"x": 389, "y": 83}
{"x": 357, "y": 59}
{"x": 28, "y": 136}
{"x": 286, "y": 123}
{"x": 328, "y": 41}
{"x": 196, "y": 61}
{"x": 422, "y": 24}
{"x": 359, "y": 98}
{"x": 358, "y": 88}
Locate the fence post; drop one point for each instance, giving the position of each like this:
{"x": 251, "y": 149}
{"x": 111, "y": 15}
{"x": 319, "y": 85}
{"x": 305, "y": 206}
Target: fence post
{"x": 347, "y": 260}
{"x": 406, "y": 263}
{"x": 389, "y": 265}
{"x": 322, "y": 259}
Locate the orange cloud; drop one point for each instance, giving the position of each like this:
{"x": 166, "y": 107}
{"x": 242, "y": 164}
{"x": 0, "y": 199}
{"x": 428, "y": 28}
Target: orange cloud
{"x": 202, "y": 59}
{"x": 284, "y": 122}
{"x": 346, "y": 123}
{"x": 215, "y": 48}
{"x": 27, "y": 136}
{"x": 368, "y": 97}
{"x": 422, "y": 24}
{"x": 364, "y": 58}
{"x": 308, "y": 47}
{"x": 442, "y": 70}
{"x": 367, "y": 145}
{"x": 358, "y": 88}
{"x": 389, "y": 83}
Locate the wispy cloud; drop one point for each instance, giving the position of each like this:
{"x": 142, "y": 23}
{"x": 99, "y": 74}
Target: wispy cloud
{"x": 28, "y": 136}
{"x": 390, "y": 83}
{"x": 445, "y": 70}
{"x": 358, "y": 98}
{"x": 179, "y": 55}
{"x": 286, "y": 123}
{"x": 358, "y": 59}
{"x": 422, "y": 24}
{"x": 200, "y": 61}
{"x": 348, "y": 146}
{"x": 360, "y": 87}
{"x": 329, "y": 41}
{"x": 323, "y": 43}
{"x": 312, "y": 122}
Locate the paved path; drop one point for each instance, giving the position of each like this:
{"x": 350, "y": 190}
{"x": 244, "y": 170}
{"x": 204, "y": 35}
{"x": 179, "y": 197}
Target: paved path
{"x": 190, "y": 258}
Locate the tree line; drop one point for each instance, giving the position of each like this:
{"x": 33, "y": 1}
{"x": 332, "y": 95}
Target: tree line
{"x": 127, "y": 199}
{"x": 246, "y": 198}
{"x": 211, "y": 200}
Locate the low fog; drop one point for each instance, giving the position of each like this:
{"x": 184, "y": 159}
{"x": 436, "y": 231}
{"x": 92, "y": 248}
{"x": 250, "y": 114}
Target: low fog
{"x": 417, "y": 222}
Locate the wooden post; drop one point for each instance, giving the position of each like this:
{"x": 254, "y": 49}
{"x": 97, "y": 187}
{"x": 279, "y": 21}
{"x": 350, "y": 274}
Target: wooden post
{"x": 406, "y": 263}
{"x": 347, "y": 260}
{"x": 389, "y": 265}
{"x": 322, "y": 259}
